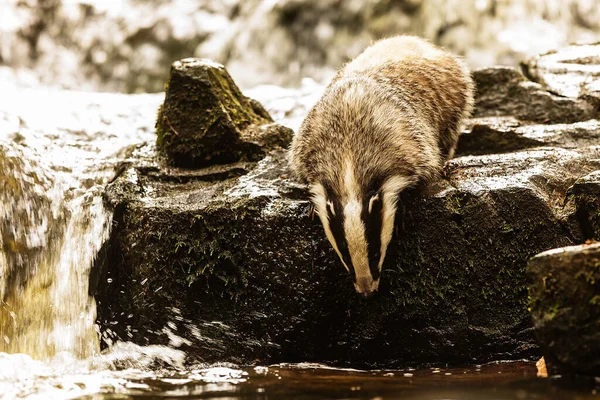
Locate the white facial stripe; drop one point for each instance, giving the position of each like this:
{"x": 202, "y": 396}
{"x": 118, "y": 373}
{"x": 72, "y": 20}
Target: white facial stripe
{"x": 320, "y": 202}
{"x": 354, "y": 228}
{"x": 350, "y": 182}
{"x": 390, "y": 190}
{"x": 373, "y": 199}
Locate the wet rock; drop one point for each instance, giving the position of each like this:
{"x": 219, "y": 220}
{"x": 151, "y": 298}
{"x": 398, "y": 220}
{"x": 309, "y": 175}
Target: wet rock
{"x": 507, "y": 134}
{"x": 573, "y": 71}
{"x": 583, "y": 207}
{"x": 503, "y": 91}
{"x": 565, "y": 306}
{"x": 205, "y": 119}
{"x": 240, "y": 270}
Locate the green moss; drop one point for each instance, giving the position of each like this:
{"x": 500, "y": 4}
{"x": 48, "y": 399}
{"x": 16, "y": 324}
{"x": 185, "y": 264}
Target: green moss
{"x": 203, "y": 117}
{"x": 506, "y": 228}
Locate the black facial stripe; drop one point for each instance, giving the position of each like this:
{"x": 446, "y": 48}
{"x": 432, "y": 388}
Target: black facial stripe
{"x": 373, "y": 222}
{"x": 374, "y": 186}
{"x": 336, "y": 224}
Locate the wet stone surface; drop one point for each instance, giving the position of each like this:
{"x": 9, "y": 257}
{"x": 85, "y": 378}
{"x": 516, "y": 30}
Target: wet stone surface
{"x": 503, "y": 91}
{"x": 236, "y": 252}
{"x": 573, "y": 71}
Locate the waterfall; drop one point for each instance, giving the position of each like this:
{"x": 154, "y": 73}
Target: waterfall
{"x": 49, "y": 238}
{"x": 55, "y": 159}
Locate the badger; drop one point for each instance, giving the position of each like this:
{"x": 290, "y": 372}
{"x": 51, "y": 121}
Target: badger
{"x": 387, "y": 121}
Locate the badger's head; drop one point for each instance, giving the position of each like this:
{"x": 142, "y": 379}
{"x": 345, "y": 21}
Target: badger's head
{"x": 359, "y": 221}
{"x": 358, "y": 150}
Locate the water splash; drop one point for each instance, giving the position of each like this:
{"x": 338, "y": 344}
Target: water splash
{"x": 57, "y": 151}
{"x": 122, "y": 369}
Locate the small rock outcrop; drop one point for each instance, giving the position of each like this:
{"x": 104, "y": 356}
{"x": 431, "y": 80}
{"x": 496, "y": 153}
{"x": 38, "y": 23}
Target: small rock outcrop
{"x": 573, "y": 71}
{"x": 206, "y": 120}
{"x": 504, "y": 91}
{"x": 583, "y": 206}
{"x": 565, "y": 306}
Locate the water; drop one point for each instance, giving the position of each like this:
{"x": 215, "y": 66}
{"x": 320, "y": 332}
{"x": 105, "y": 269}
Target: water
{"x": 157, "y": 372}
{"x": 57, "y": 151}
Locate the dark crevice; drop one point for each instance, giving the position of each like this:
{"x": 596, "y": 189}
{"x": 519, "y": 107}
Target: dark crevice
{"x": 457, "y": 219}
{"x": 119, "y": 170}
{"x": 216, "y": 176}
{"x": 107, "y": 272}
{"x": 583, "y": 219}
{"x": 485, "y": 140}
{"x": 526, "y": 72}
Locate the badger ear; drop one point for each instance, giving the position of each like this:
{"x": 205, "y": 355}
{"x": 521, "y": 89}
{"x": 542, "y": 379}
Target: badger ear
{"x": 331, "y": 207}
{"x": 374, "y": 201}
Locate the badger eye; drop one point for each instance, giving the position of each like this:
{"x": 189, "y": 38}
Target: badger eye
{"x": 373, "y": 201}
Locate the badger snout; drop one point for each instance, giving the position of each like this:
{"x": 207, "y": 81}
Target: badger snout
{"x": 366, "y": 286}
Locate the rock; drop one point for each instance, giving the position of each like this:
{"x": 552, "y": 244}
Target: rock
{"x": 583, "y": 205}
{"x": 573, "y": 71}
{"x": 507, "y": 134}
{"x": 503, "y": 91}
{"x": 205, "y": 119}
{"x": 245, "y": 274}
{"x": 227, "y": 263}
{"x": 565, "y": 306}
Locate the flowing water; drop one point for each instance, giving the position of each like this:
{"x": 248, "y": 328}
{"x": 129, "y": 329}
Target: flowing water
{"x": 57, "y": 152}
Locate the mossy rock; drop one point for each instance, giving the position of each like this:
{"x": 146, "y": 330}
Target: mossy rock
{"x": 205, "y": 119}
{"x": 240, "y": 270}
{"x": 565, "y": 307}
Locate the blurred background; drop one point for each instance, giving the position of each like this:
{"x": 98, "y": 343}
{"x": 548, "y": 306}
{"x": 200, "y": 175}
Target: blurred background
{"x": 128, "y": 45}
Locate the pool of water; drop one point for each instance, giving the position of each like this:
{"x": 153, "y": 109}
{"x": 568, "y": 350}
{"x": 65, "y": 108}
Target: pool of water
{"x": 305, "y": 381}
{"x": 155, "y": 372}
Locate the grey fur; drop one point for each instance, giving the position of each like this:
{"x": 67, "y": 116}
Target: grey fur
{"x": 395, "y": 110}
